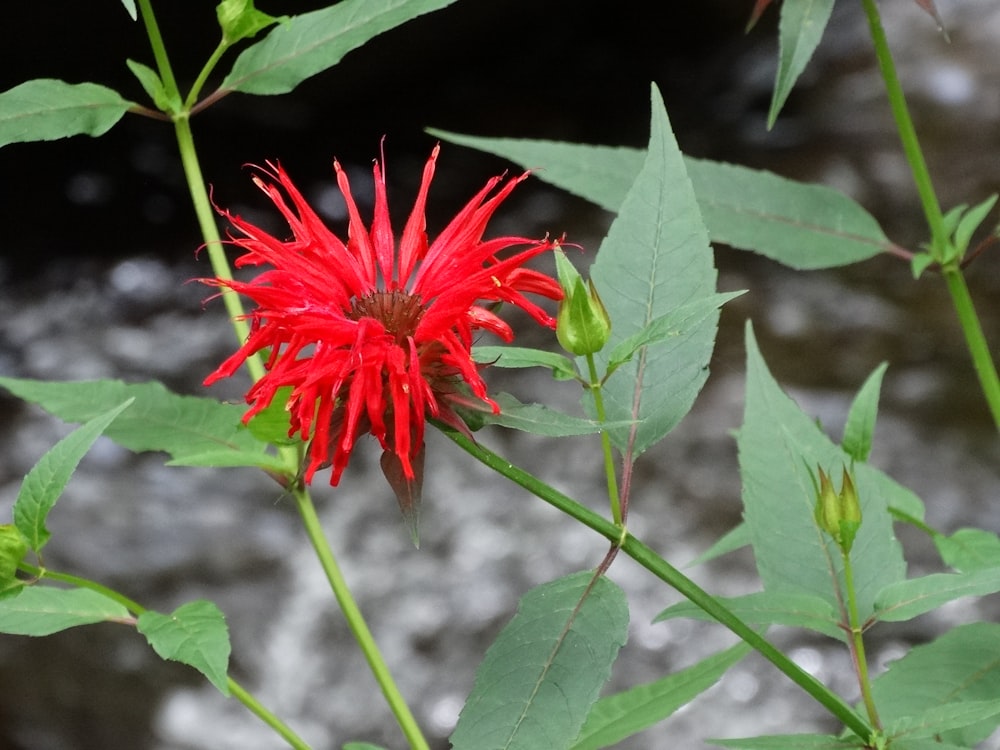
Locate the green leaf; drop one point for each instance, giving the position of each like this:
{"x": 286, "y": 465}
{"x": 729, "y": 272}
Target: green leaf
{"x": 151, "y": 83}
{"x": 273, "y": 423}
{"x": 860, "y": 426}
{"x": 624, "y": 714}
{"x": 907, "y": 599}
{"x": 655, "y": 259}
{"x": 362, "y": 746}
{"x": 43, "y": 610}
{"x": 12, "y": 550}
{"x": 674, "y": 323}
{"x": 312, "y": 42}
{"x": 130, "y": 7}
{"x": 239, "y": 19}
{"x": 194, "y": 634}
{"x": 791, "y": 742}
{"x": 541, "y": 676}
{"x": 919, "y": 263}
{"x": 961, "y": 665}
{"x": 186, "y": 427}
{"x": 765, "y": 608}
{"x": 779, "y": 446}
{"x": 969, "y": 549}
{"x": 734, "y": 539}
{"x": 933, "y": 721}
{"x": 969, "y": 223}
{"x": 517, "y": 357}
{"x": 799, "y": 32}
{"x": 47, "y": 479}
{"x": 46, "y": 109}
{"x": 541, "y": 420}
{"x": 801, "y": 225}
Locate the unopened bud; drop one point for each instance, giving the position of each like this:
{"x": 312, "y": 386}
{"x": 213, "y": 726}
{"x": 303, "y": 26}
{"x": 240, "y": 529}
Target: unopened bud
{"x": 582, "y": 324}
{"x": 838, "y": 514}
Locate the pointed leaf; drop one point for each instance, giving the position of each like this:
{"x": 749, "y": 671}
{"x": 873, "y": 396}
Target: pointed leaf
{"x": 961, "y": 665}
{"x": 194, "y": 634}
{"x": 778, "y": 447}
{"x": 764, "y": 608}
{"x": 734, "y": 539}
{"x": 46, "y": 109}
{"x": 802, "y": 225}
{"x": 310, "y": 43}
{"x": 47, "y": 479}
{"x": 616, "y": 717}
{"x": 933, "y": 721}
{"x": 860, "y": 425}
{"x": 183, "y": 426}
{"x": 516, "y": 357}
{"x": 130, "y": 7}
{"x": 541, "y": 420}
{"x": 791, "y": 742}
{"x": 799, "y": 32}
{"x": 43, "y": 610}
{"x": 655, "y": 259}
{"x": 541, "y": 676}
{"x": 150, "y": 81}
{"x": 907, "y": 599}
{"x": 969, "y": 549}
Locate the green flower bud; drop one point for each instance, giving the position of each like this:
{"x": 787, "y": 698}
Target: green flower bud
{"x": 838, "y": 514}
{"x": 582, "y": 324}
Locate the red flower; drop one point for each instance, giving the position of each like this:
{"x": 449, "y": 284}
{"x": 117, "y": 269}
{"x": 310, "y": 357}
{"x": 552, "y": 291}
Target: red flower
{"x": 374, "y": 335}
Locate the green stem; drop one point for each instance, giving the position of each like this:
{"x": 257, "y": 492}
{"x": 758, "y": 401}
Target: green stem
{"x": 982, "y": 361}
{"x": 907, "y": 133}
{"x": 159, "y": 50}
{"x": 206, "y": 70}
{"x": 609, "y": 458}
{"x": 356, "y": 621}
{"x": 858, "y": 642}
{"x": 235, "y": 689}
{"x": 663, "y": 570}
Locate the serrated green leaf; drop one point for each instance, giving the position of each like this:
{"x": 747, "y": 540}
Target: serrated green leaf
{"x": 543, "y": 673}
{"x": 969, "y": 549}
{"x": 961, "y": 665}
{"x": 153, "y": 86}
{"x": 47, "y": 109}
{"x": 541, "y": 420}
{"x": 734, "y": 539}
{"x": 13, "y": 547}
{"x": 765, "y": 608}
{"x": 43, "y": 610}
{"x": 194, "y": 634}
{"x": 939, "y": 719}
{"x": 778, "y": 447}
{"x": 183, "y": 426}
{"x": 622, "y": 715}
{"x": 907, "y": 599}
{"x": 517, "y": 357}
{"x": 790, "y": 742}
{"x": 860, "y": 426}
{"x": 47, "y": 479}
{"x": 802, "y": 225}
{"x": 799, "y": 33}
{"x": 312, "y": 42}
{"x": 273, "y": 423}
{"x": 655, "y": 259}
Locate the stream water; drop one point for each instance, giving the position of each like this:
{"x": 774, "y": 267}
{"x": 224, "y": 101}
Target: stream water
{"x": 169, "y": 535}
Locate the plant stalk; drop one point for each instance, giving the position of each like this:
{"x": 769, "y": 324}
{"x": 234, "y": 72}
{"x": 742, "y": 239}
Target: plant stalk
{"x": 609, "y": 458}
{"x": 858, "y": 642}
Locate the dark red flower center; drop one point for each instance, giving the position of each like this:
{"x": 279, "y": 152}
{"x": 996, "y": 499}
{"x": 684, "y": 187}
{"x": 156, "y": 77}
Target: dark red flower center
{"x": 398, "y": 311}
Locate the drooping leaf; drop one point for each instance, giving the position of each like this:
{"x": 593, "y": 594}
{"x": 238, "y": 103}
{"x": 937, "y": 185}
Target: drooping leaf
{"x": 194, "y": 634}
{"x": 517, "y": 357}
{"x": 860, "y": 426}
{"x": 961, "y": 665}
{"x": 541, "y": 420}
{"x": 46, "y": 109}
{"x": 799, "y": 33}
{"x": 47, "y": 479}
{"x": 778, "y": 447}
{"x": 655, "y": 259}
{"x": 791, "y": 742}
{"x": 310, "y": 43}
{"x": 802, "y": 225}
{"x": 765, "y": 608}
{"x": 907, "y": 599}
{"x": 616, "y": 717}
{"x": 186, "y": 427}
{"x": 43, "y": 610}
{"x": 969, "y": 549}
{"x": 543, "y": 673}
{"x": 734, "y": 539}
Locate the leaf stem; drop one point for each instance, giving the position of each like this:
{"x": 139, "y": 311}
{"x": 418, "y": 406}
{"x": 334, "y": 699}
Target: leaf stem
{"x": 663, "y": 570}
{"x": 609, "y": 459}
{"x": 356, "y": 621}
{"x": 858, "y": 642}
{"x": 235, "y": 689}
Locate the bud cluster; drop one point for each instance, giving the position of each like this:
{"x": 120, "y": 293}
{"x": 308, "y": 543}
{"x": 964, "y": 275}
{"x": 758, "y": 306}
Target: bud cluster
{"x": 838, "y": 514}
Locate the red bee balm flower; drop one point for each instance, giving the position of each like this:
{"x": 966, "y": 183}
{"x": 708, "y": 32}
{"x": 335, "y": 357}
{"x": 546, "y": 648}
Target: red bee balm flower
{"x": 375, "y": 336}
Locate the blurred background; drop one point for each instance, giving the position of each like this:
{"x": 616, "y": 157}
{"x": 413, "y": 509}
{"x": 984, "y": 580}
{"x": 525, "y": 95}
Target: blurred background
{"x": 100, "y": 243}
